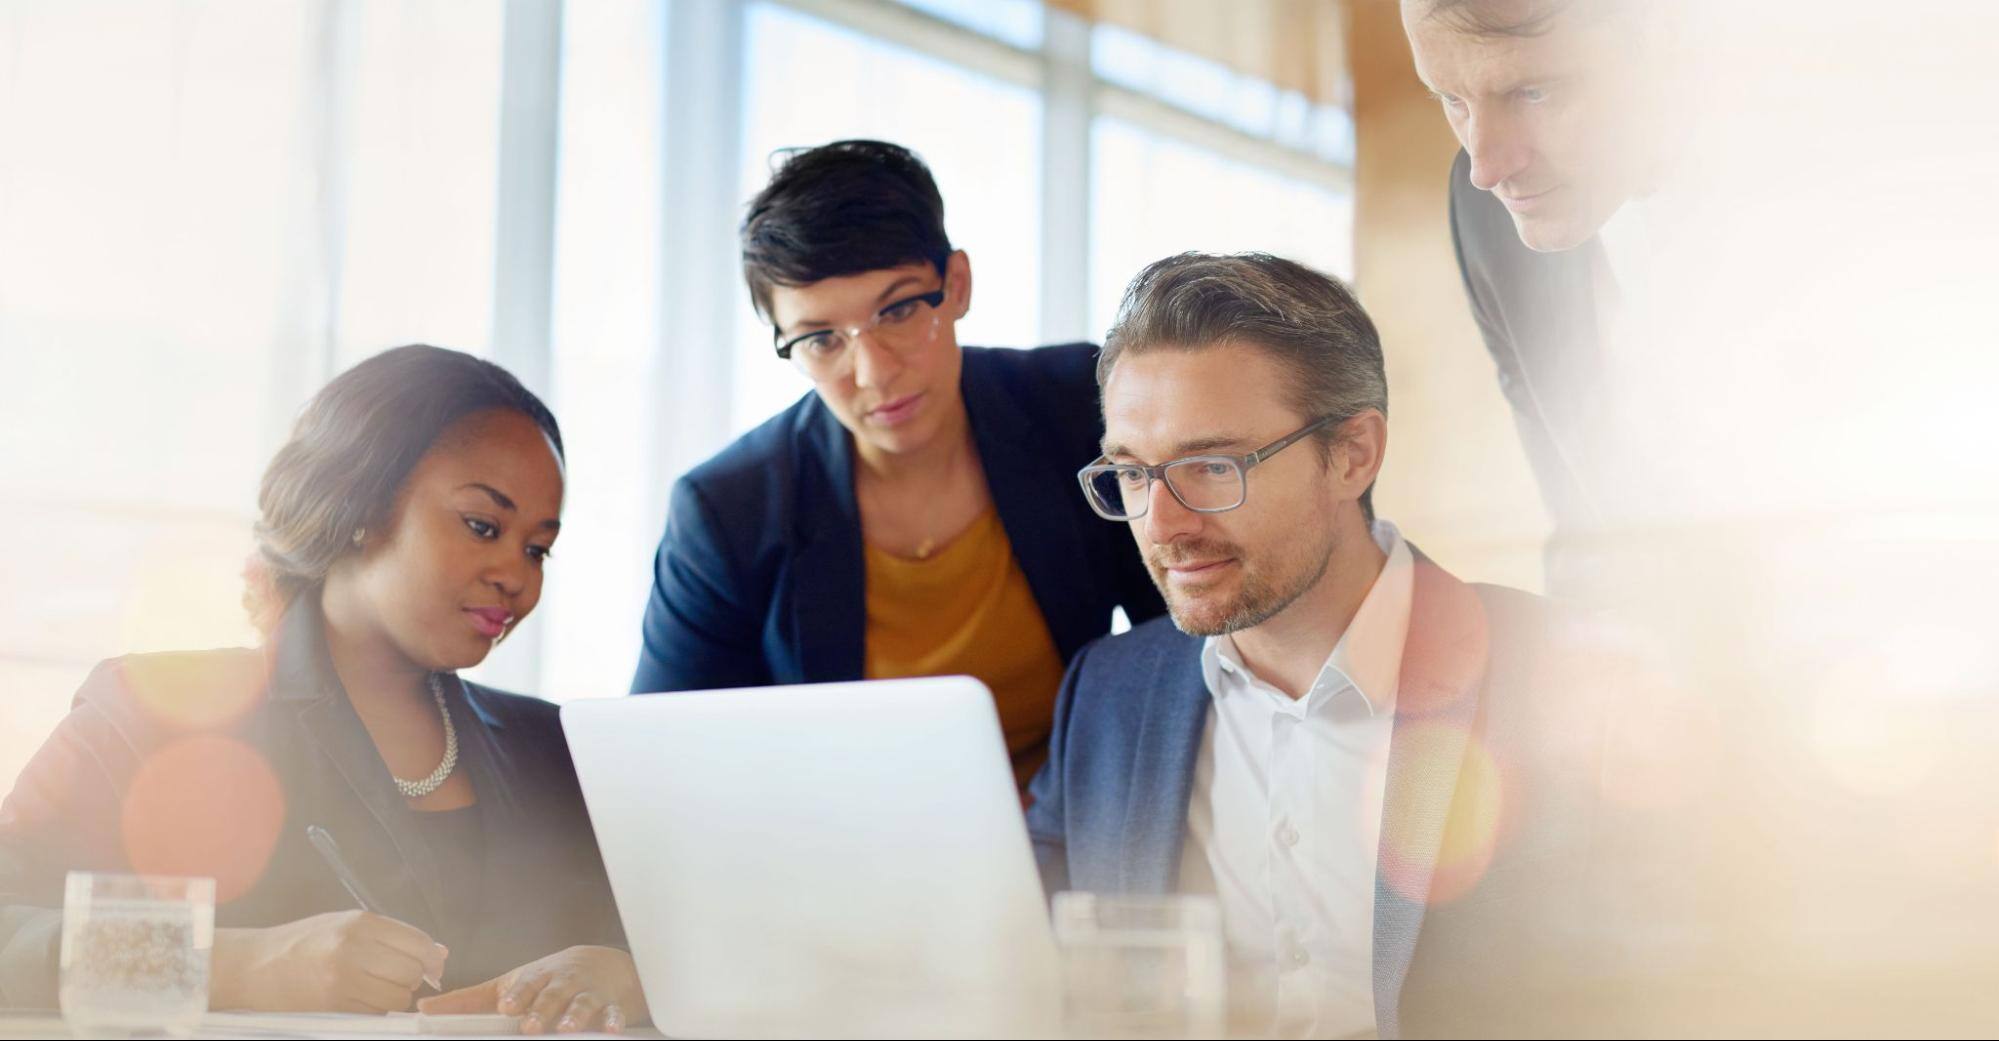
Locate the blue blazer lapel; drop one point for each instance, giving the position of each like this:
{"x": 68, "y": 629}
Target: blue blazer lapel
{"x": 1436, "y": 707}
{"x": 1175, "y": 703}
{"x": 828, "y": 577}
{"x": 1046, "y": 542}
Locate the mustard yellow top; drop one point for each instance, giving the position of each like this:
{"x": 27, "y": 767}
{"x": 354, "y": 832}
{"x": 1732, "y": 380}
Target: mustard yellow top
{"x": 967, "y": 610}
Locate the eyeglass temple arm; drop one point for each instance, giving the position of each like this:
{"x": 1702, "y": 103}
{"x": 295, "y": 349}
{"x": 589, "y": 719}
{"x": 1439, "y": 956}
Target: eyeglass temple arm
{"x": 1283, "y": 442}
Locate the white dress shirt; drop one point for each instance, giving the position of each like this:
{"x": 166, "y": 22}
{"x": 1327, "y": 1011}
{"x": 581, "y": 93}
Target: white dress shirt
{"x": 1285, "y": 817}
{"x": 1621, "y": 282}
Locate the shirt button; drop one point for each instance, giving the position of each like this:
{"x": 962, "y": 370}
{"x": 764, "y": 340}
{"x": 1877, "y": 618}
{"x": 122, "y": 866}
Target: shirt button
{"x": 1287, "y": 835}
{"x": 1299, "y": 957}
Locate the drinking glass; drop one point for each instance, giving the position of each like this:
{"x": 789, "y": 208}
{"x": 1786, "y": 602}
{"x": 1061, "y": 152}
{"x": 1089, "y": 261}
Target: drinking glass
{"x": 135, "y": 952}
{"x": 1141, "y": 966}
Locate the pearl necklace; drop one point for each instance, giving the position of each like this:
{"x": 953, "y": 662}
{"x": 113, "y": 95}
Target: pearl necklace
{"x": 419, "y": 789}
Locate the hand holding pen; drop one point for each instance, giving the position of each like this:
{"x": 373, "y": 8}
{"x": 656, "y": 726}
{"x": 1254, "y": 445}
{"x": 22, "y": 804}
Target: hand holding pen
{"x": 329, "y": 851}
{"x": 343, "y": 961}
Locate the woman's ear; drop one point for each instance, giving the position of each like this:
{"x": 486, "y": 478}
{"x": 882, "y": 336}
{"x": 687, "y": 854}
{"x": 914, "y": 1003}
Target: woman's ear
{"x": 958, "y": 285}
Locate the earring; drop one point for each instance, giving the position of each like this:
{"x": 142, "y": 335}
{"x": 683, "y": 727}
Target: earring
{"x": 360, "y": 535}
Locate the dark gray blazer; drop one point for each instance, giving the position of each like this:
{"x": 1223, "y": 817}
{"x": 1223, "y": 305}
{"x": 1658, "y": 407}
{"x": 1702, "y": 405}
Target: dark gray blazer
{"x": 274, "y": 746}
{"x": 1487, "y": 812}
{"x": 1538, "y": 315}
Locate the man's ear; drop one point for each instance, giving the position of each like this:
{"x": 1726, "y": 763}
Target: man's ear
{"x": 1358, "y": 449}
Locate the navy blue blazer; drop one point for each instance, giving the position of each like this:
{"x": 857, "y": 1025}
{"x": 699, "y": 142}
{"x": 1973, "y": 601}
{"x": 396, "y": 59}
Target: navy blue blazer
{"x": 267, "y": 743}
{"x": 759, "y": 578}
{"x": 1471, "y": 733}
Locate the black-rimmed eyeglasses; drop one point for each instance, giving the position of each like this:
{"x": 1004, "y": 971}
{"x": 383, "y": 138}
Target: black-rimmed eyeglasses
{"x": 825, "y": 354}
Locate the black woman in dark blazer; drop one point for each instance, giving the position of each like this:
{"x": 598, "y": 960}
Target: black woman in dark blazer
{"x": 917, "y": 514}
{"x": 403, "y": 533}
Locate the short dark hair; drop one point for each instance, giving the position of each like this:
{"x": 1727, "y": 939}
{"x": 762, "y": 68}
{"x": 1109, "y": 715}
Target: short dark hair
{"x": 841, "y": 209}
{"x": 352, "y": 448}
{"x": 1310, "y": 322}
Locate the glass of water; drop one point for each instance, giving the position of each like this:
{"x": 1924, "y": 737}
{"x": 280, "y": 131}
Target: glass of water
{"x": 1142, "y": 966}
{"x": 135, "y": 951}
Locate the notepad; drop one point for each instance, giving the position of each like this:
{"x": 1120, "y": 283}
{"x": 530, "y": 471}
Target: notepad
{"x": 323, "y": 1024}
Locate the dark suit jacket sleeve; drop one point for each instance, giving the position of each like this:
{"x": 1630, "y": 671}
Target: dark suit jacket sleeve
{"x": 1047, "y": 816}
{"x": 63, "y": 814}
{"x": 1472, "y": 268}
{"x": 590, "y": 884}
{"x": 1138, "y": 595}
{"x": 580, "y": 908}
{"x": 698, "y": 632}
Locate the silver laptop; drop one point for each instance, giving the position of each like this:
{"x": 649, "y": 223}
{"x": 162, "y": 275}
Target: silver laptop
{"x": 841, "y": 859}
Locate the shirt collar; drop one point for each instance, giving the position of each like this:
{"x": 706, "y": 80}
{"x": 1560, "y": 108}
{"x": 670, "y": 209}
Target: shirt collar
{"x": 1625, "y": 241}
{"x": 1368, "y": 656}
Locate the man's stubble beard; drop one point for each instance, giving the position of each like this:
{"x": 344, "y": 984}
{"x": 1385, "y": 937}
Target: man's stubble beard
{"x": 1259, "y": 600}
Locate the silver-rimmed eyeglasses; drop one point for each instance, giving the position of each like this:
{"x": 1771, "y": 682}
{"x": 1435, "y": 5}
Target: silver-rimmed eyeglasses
{"x": 1202, "y": 483}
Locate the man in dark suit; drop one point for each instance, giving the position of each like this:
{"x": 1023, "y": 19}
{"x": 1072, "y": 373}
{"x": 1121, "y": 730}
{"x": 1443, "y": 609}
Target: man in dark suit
{"x": 1360, "y": 756}
{"x": 1554, "y": 103}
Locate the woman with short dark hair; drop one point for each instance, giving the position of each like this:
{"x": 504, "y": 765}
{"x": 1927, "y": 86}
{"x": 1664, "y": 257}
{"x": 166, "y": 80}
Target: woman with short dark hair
{"x": 402, "y": 534}
{"x": 917, "y": 514}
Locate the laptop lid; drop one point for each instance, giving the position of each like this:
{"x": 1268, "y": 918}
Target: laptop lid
{"x": 845, "y": 858}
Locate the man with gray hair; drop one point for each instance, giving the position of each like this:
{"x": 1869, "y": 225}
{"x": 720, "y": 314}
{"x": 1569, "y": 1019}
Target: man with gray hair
{"x": 1341, "y": 742}
{"x": 1558, "y": 105}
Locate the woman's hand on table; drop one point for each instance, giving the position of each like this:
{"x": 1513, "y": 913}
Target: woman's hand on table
{"x": 581, "y": 988}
